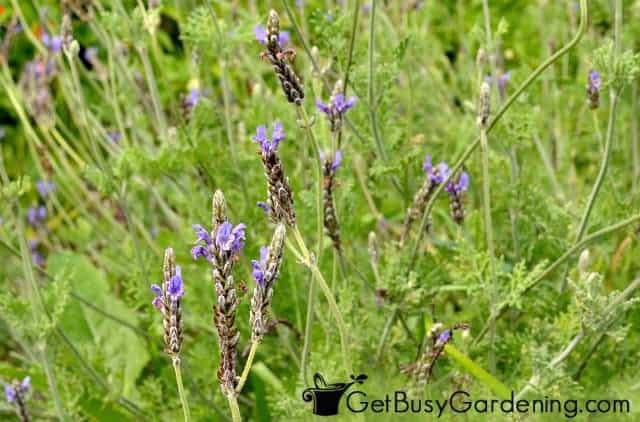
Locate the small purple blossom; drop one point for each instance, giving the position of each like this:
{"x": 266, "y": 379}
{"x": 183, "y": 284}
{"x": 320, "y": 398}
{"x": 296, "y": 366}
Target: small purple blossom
{"x": 594, "y": 80}
{"x": 264, "y": 206}
{"x": 90, "y": 54}
{"x": 337, "y": 106}
{"x": 503, "y": 79}
{"x": 175, "y": 286}
{"x": 45, "y": 188}
{"x": 335, "y": 163}
{"x": 444, "y": 337}
{"x": 114, "y": 136}
{"x": 259, "y": 267}
{"x": 261, "y": 36}
{"x": 269, "y": 145}
{"x": 456, "y": 188}
{"x": 11, "y": 392}
{"x": 157, "y": 300}
{"x": 36, "y": 216}
{"x": 200, "y": 251}
{"x": 53, "y": 43}
{"x": 230, "y": 238}
{"x": 192, "y": 99}
{"x": 436, "y": 174}
{"x": 203, "y": 235}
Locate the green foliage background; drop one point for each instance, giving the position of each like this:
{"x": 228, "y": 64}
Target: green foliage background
{"x": 82, "y": 325}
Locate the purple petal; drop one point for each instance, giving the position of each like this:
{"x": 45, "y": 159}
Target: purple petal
{"x": 200, "y": 251}
{"x": 324, "y": 108}
{"x": 257, "y": 273}
{"x": 427, "y": 166}
{"x": 264, "y": 206}
{"x": 157, "y": 303}
{"x": 261, "y": 34}
{"x": 336, "y": 161}
{"x": 175, "y": 287}
{"x": 594, "y": 79}
{"x": 278, "y": 135}
{"x": 157, "y": 290}
{"x": 283, "y": 38}
{"x": 463, "y": 182}
{"x": 202, "y": 234}
{"x": 10, "y": 393}
{"x": 25, "y": 385}
{"x": 444, "y": 337}
{"x": 264, "y": 254}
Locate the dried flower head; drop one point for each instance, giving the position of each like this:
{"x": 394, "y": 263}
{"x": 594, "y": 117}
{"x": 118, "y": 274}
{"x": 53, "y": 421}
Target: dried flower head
{"x": 16, "y": 393}
{"x": 265, "y": 273}
{"x": 280, "y": 60}
{"x": 279, "y": 203}
{"x": 167, "y": 298}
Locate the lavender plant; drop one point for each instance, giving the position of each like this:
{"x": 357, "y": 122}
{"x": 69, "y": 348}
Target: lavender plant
{"x": 125, "y": 115}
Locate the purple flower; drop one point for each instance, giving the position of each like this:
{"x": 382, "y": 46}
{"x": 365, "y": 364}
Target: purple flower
{"x": 10, "y": 393}
{"x": 192, "y": 99}
{"x": 36, "y": 216}
{"x": 157, "y": 301}
{"x": 200, "y": 251}
{"x": 269, "y": 145}
{"x": 264, "y": 206}
{"x": 53, "y": 43}
{"x": 337, "y": 106}
{"x": 202, "y": 234}
{"x": 175, "y": 287}
{"x": 335, "y": 163}
{"x": 90, "y": 54}
{"x": 114, "y": 136}
{"x": 438, "y": 174}
{"x": 230, "y": 238}
{"x": 456, "y": 188}
{"x": 259, "y": 267}
{"x": 594, "y": 79}
{"x": 261, "y": 36}
{"x": 45, "y": 188}
{"x": 503, "y": 79}
{"x": 444, "y": 337}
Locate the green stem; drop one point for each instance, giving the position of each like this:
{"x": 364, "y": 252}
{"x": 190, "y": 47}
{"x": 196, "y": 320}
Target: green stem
{"x": 465, "y": 155}
{"x": 233, "y": 405}
{"x": 371, "y": 85}
{"x": 488, "y": 228}
{"x": 603, "y": 167}
{"x": 309, "y": 262}
{"x": 304, "y": 361}
{"x": 183, "y": 397}
{"x": 247, "y": 366}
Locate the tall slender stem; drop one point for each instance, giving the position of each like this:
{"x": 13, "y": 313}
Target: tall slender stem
{"x": 488, "y": 229}
{"x": 604, "y": 165}
{"x": 371, "y": 84}
{"x": 310, "y": 263}
{"x": 181, "y": 392}
{"x": 233, "y": 405}
{"x": 247, "y": 366}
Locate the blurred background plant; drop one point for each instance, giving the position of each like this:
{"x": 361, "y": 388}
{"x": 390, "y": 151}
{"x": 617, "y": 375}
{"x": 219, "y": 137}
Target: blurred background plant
{"x": 119, "y": 119}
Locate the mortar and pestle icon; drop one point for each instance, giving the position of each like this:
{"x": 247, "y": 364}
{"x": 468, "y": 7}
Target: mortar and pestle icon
{"x": 326, "y": 398}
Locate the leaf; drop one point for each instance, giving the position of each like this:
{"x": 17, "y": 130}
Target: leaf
{"x": 101, "y": 340}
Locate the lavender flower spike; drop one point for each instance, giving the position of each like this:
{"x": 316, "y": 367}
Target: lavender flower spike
{"x": 265, "y": 272}
{"x": 261, "y": 36}
{"x": 167, "y": 300}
